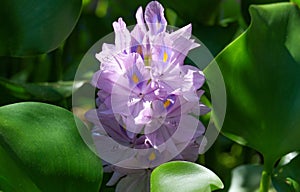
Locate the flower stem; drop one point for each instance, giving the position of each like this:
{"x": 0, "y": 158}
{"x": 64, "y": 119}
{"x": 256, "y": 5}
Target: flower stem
{"x": 266, "y": 177}
{"x": 265, "y": 182}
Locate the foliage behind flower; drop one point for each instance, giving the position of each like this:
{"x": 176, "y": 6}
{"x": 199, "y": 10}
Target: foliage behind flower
{"x": 148, "y": 100}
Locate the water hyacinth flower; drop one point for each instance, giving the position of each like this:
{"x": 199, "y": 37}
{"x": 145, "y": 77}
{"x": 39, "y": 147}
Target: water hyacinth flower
{"x": 148, "y": 101}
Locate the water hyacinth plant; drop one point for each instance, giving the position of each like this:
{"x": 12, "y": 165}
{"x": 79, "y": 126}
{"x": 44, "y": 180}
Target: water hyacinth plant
{"x": 91, "y": 103}
{"x": 148, "y": 100}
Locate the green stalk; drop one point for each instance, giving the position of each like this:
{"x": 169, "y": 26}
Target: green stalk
{"x": 266, "y": 176}
{"x": 265, "y": 182}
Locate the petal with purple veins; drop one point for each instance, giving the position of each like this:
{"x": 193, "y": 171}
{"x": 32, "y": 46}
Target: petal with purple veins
{"x": 122, "y": 36}
{"x": 155, "y": 19}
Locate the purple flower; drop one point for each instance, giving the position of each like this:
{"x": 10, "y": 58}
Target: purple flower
{"x": 148, "y": 101}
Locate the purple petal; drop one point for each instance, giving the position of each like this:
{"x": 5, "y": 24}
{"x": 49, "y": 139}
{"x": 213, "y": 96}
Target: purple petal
{"x": 95, "y": 78}
{"x": 204, "y": 109}
{"x": 140, "y": 29}
{"x": 155, "y": 19}
{"x": 145, "y": 115}
{"x": 181, "y": 46}
{"x": 194, "y": 75}
{"x": 185, "y": 32}
{"x": 105, "y": 56}
{"x": 108, "y": 79}
{"x": 122, "y": 39}
{"x": 140, "y": 18}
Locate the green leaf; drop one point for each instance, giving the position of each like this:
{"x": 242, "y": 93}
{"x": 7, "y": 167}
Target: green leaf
{"x": 296, "y": 2}
{"x": 287, "y": 177}
{"x": 41, "y": 150}
{"x": 261, "y": 71}
{"x": 245, "y": 4}
{"x": 33, "y": 27}
{"x": 184, "y": 176}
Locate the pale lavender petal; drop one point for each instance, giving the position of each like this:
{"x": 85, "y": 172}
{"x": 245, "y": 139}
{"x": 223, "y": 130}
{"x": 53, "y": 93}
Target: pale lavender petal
{"x": 185, "y": 32}
{"x": 105, "y": 56}
{"x": 190, "y": 153}
{"x": 181, "y": 46}
{"x": 114, "y": 130}
{"x": 107, "y": 80}
{"x": 95, "y": 78}
{"x": 155, "y": 19}
{"x": 122, "y": 39}
{"x": 158, "y": 108}
{"x": 186, "y": 128}
{"x": 145, "y": 115}
{"x": 110, "y": 150}
{"x": 137, "y": 37}
{"x": 138, "y": 32}
{"x": 162, "y": 134}
{"x": 140, "y": 19}
{"x": 204, "y": 109}
{"x": 194, "y": 75}
{"x": 132, "y": 129}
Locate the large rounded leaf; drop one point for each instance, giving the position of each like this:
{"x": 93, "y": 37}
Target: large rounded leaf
{"x": 41, "y": 150}
{"x": 33, "y": 26}
{"x": 179, "y": 176}
{"x": 261, "y": 70}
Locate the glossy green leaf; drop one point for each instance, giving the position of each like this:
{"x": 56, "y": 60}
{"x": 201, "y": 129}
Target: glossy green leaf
{"x": 245, "y": 4}
{"x": 33, "y": 27}
{"x": 184, "y": 176}
{"x": 41, "y": 150}
{"x": 287, "y": 177}
{"x": 261, "y": 70}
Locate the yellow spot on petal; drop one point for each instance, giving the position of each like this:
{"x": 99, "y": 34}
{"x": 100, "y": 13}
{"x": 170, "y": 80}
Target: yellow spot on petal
{"x": 152, "y": 156}
{"x": 158, "y": 25}
{"x": 139, "y": 50}
{"x": 167, "y": 103}
{"x": 135, "y": 78}
{"x": 165, "y": 57}
{"x": 147, "y": 60}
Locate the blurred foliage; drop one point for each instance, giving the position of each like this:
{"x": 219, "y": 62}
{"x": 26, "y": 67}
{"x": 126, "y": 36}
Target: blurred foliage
{"x": 34, "y": 27}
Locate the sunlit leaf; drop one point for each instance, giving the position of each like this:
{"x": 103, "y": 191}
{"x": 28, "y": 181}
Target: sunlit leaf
{"x": 184, "y": 176}
{"x": 261, "y": 72}
{"x": 296, "y": 1}
{"x": 245, "y": 4}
